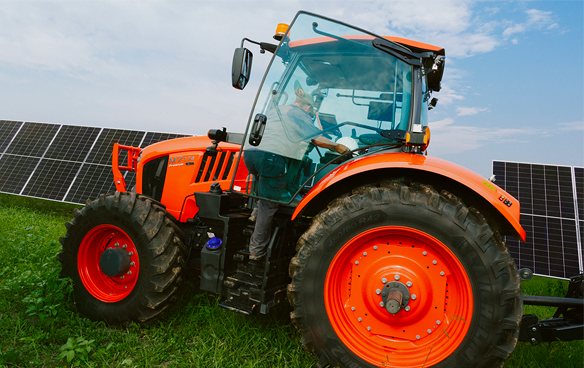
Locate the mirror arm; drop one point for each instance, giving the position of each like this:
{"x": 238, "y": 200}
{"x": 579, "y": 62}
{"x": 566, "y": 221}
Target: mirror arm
{"x": 264, "y": 46}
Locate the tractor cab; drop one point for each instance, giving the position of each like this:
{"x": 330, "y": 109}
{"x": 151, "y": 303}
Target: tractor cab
{"x": 328, "y": 79}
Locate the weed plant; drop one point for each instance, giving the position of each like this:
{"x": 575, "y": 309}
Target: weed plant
{"x": 40, "y": 327}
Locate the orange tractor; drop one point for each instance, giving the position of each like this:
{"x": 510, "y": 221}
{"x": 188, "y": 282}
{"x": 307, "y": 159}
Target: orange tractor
{"x": 389, "y": 257}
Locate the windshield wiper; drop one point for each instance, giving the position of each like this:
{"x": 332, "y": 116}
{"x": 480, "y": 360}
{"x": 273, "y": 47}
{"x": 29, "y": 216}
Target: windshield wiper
{"x": 314, "y": 25}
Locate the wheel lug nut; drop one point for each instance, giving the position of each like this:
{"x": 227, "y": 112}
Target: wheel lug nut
{"x": 375, "y": 247}
{"x": 425, "y": 253}
{"x": 409, "y": 284}
{"x": 131, "y": 253}
{"x": 359, "y": 319}
{"x": 368, "y": 328}
{"x": 353, "y": 309}
{"x": 396, "y": 277}
{"x": 381, "y": 304}
{"x": 418, "y": 337}
{"x": 129, "y": 272}
{"x": 407, "y": 308}
{"x": 429, "y": 331}
{"x": 414, "y": 296}
{"x": 384, "y": 280}
{"x": 438, "y": 322}
{"x": 441, "y": 273}
{"x": 125, "y": 246}
{"x": 378, "y": 291}
{"x": 356, "y": 262}
{"x": 121, "y": 277}
{"x": 434, "y": 262}
{"x": 117, "y": 245}
{"x": 132, "y": 263}
{"x": 364, "y": 253}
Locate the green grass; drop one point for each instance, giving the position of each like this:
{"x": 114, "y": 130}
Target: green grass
{"x": 40, "y": 327}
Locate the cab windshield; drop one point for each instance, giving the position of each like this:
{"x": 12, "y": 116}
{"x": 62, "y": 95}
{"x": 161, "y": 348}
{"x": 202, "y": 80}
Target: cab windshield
{"x": 327, "y": 82}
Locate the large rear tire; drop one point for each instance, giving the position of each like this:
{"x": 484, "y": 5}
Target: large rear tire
{"x": 460, "y": 296}
{"x": 147, "y": 262}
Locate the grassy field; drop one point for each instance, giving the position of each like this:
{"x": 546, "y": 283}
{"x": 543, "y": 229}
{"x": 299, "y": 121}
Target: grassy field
{"x": 40, "y": 327}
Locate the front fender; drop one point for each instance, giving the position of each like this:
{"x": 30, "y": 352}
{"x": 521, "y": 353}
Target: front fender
{"x": 501, "y": 201}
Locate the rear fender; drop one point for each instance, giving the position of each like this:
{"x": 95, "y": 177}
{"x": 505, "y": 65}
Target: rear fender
{"x": 498, "y": 205}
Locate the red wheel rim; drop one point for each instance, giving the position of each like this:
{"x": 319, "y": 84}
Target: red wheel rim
{"x": 102, "y": 287}
{"x": 438, "y": 318}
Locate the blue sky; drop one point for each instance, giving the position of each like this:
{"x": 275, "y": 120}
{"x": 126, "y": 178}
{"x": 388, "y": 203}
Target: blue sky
{"x": 513, "y": 87}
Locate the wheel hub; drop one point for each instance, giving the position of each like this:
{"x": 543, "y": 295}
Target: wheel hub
{"x": 395, "y": 296}
{"x": 115, "y": 261}
{"x": 108, "y": 263}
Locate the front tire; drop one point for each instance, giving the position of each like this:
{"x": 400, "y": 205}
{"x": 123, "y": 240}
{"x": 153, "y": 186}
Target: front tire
{"x": 461, "y": 302}
{"x": 146, "y": 268}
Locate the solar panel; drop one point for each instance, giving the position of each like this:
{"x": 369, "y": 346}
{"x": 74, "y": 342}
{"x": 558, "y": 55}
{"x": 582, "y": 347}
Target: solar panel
{"x": 73, "y": 143}
{"x": 102, "y": 151}
{"x": 66, "y": 163}
{"x": 33, "y": 139}
{"x": 551, "y": 200}
{"x": 15, "y": 172}
{"x": 91, "y": 181}
{"x": 8, "y": 130}
{"x": 51, "y": 179}
{"x": 152, "y": 138}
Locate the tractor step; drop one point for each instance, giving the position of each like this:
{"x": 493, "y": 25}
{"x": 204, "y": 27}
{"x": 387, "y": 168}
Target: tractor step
{"x": 243, "y": 278}
{"x": 245, "y": 306}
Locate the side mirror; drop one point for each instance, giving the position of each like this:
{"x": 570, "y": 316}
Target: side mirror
{"x": 241, "y": 68}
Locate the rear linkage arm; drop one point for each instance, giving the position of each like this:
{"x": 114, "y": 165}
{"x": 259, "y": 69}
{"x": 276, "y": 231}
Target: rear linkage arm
{"x": 569, "y": 327}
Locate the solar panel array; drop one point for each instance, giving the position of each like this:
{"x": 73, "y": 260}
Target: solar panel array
{"x": 66, "y": 163}
{"x": 552, "y": 214}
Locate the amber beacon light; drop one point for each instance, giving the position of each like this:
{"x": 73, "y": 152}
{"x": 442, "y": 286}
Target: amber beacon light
{"x": 281, "y": 30}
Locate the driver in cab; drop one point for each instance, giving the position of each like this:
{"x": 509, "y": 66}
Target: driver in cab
{"x": 283, "y": 141}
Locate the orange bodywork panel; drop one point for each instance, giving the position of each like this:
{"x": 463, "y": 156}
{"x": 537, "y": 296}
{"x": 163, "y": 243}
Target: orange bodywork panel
{"x": 497, "y": 197}
{"x": 190, "y": 169}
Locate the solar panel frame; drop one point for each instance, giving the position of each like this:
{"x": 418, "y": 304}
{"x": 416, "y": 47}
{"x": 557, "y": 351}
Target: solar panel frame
{"x": 549, "y": 203}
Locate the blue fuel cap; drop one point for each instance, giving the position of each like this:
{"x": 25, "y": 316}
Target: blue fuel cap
{"x": 214, "y": 243}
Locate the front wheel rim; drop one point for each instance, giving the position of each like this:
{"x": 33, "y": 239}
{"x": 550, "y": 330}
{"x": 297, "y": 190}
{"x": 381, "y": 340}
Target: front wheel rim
{"x": 98, "y": 284}
{"x": 438, "y": 317}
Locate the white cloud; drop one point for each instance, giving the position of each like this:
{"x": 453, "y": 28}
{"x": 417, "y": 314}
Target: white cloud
{"x": 448, "y": 138}
{"x": 572, "y": 126}
{"x": 469, "y": 111}
{"x": 536, "y": 19}
{"x": 448, "y": 95}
